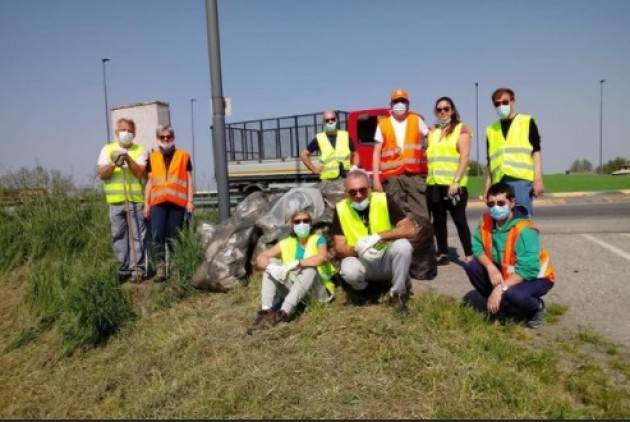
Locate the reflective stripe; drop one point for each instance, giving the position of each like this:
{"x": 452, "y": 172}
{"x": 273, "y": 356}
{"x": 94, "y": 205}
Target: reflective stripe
{"x": 416, "y": 147}
{"x": 390, "y": 152}
{"x": 445, "y": 173}
{"x": 167, "y": 191}
{"x": 511, "y": 150}
{"x": 398, "y": 163}
{"x": 517, "y": 164}
{"x": 443, "y": 159}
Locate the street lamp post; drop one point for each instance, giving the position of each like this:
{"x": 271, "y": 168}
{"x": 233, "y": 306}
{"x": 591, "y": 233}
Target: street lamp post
{"x": 477, "y": 125}
{"x": 601, "y": 124}
{"x": 192, "y": 131}
{"x": 103, "y": 61}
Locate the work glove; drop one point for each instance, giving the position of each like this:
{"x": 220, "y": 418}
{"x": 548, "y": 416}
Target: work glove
{"x": 366, "y": 243}
{"x": 277, "y": 272}
{"x": 373, "y": 254}
{"x": 292, "y": 266}
{"x": 118, "y": 157}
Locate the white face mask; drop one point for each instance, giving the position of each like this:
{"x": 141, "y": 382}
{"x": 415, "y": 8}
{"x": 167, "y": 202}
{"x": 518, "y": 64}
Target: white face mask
{"x": 444, "y": 122}
{"x": 360, "y": 206}
{"x": 330, "y": 127}
{"x": 302, "y": 230}
{"x": 125, "y": 138}
{"x": 399, "y": 108}
{"x": 504, "y": 111}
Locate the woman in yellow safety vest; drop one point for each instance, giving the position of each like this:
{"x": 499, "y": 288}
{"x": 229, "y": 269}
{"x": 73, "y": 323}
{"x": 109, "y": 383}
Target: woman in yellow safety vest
{"x": 448, "y": 153}
{"x": 302, "y": 269}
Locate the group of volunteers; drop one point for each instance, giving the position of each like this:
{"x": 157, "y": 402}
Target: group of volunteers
{"x": 418, "y": 171}
{"x": 145, "y": 187}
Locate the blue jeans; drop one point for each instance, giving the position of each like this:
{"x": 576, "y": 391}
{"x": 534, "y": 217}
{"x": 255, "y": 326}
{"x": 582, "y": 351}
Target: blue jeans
{"x": 519, "y": 300}
{"x": 523, "y": 192}
{"x": 166, "y": 221}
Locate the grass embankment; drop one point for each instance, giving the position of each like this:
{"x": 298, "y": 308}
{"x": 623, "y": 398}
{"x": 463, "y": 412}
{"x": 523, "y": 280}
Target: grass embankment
{"x": 557, "y": 183}
{"x": 188, "y": 356}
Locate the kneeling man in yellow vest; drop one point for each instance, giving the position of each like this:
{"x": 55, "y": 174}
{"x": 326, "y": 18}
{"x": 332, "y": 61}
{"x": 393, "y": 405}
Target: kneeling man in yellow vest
{"x": 303, "y": 270}
{"x": 511, "y": 269}
{"x": 121, "y": 167}
{"x": 371, "y": 234}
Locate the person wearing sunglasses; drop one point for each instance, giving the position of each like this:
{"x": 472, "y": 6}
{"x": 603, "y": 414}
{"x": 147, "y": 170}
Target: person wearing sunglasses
{"x": 370, "y": 234}
{"x": 514, "y": 155}
{"x": 511, "y": 269}
{"x": 336, "y": 152}
{"x": 168, "y": 196}
{"x": 302, "y": 270}
{"x": 399, "y": 156}
{"x": 448, "y": 153}
{"x": 121, "y": 166}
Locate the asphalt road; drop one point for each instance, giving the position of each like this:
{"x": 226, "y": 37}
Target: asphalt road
{"x": 589, "y": 244}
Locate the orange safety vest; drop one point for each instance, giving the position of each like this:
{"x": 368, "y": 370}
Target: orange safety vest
{"x": 171, "y": 187}
{"x": 411, "y": 158}
{"x": 509, "y": 254}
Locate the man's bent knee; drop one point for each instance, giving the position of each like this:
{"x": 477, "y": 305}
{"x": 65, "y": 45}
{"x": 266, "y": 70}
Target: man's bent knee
{"x": 401, "y": 247}
{"x": 352, "y": 272}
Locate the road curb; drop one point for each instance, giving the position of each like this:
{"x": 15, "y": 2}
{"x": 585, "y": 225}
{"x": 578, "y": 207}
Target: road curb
{"x": 562, "y": 198}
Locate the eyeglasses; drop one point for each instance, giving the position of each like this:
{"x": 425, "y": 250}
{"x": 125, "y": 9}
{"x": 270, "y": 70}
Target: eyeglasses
{"x": 500, "y": 203}
{"x": 330, "y": 120}
{"x": 354, "y": 192}
{"x": 165, "y": 137}
{"x": 442, "y": 109}
{"x": 498, "y": 103}
{"x": 302, "y": 220}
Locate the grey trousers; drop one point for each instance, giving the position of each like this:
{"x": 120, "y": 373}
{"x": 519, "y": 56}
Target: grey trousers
{"x": 409, "y": 192}
{"x": 393, "y": 265}
{"x": 294, "y": 289}
{"x": 121, "y": 239}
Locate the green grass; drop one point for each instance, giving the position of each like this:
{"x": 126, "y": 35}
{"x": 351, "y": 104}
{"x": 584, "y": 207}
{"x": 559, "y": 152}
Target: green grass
{"x": 557, "y": 183}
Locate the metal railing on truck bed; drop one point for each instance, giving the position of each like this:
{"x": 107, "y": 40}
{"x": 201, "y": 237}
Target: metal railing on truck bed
{"x": 275, "y": 138}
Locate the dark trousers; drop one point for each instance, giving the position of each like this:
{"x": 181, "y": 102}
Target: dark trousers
{"x": 166, "y": 221}
{"x": 438, "y": 207}
{"x": 519, "y": 300}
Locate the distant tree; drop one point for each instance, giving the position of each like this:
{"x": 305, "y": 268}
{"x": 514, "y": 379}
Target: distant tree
{"x": 475, "y": 168}
{"x": 52, "y": 181}
{"x": 615, "y": 164}
{"x": 581, "y": 166}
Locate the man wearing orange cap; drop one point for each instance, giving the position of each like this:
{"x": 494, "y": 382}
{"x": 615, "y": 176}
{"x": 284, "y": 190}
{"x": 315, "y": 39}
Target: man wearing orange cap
{"x": 399, "y": 156}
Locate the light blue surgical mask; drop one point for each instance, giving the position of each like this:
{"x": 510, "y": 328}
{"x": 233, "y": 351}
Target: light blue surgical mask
{"x": 504, "y": 111}
{"x": 499, "y": 212}
{"x": 444, "y": 122}
{"x": 330, "y": 127}
{"x": 399, "y": 108}
{"x": 302, "y": 230}
{"x": 360, "y": 206}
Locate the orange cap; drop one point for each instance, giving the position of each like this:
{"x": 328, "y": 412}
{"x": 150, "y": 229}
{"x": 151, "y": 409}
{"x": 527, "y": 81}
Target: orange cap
{"x": 400, "y": 93}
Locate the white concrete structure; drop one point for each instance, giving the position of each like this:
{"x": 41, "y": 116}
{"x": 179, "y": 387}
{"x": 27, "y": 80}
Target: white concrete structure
{"x": 147, "y": 116}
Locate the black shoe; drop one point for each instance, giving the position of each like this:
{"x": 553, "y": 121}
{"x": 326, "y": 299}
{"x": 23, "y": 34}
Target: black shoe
{"x": 443, "y": 260}
{"x": 264, "y": 320}
{"x": 399, "y": 302}
{"x": 538, "y": 318}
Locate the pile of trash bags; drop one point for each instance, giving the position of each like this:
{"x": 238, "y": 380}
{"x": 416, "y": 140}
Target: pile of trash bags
{"x": 261, "y": 220}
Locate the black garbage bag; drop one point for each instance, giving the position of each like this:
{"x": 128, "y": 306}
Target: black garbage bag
{"x": 423, "y": 262}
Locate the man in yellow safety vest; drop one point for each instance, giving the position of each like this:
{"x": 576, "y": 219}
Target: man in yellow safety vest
{"x": 336, "y": 151}
{"x": 121, "y": 167}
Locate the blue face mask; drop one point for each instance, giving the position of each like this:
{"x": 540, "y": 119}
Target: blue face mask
{"x": 302, "y": 230}
{"x": 504, "y": 111}
{"x": 499, "y": 212}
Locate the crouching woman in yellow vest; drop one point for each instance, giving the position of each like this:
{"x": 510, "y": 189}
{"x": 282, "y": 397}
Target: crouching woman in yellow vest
{"x": 511, "y": 269}
{"x": 303, "y": 269}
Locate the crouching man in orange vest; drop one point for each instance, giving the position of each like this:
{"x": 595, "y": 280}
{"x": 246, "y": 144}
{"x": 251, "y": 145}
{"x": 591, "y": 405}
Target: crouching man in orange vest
{"x": 168, "y": 195}
{"x": 510, "y": 268}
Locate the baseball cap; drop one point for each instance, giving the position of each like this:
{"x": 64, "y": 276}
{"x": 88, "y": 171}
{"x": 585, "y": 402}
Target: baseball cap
{"x": 400, "y": 94}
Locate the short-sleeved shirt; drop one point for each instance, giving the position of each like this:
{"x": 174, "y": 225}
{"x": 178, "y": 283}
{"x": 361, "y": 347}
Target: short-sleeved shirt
{"x": 400, "y": 128}
{"x": 105, "y": 159}
{"x": 395, "y": 215}
{"x": 299, "y": 252}
{"x": 313, "y": 146}
{"x": 167, "y": 163}
{"x": 534, "y": 134}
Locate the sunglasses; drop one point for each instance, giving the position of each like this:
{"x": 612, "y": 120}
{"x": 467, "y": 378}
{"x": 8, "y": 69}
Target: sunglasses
{"x": 500, "y": 203}
{"x": 354, "y": 192}
{"x": 165, "y": 138}
{"x": 330, "y": 120}
{"x": 498, "y": 103}
{"x": 302, "y": 220}
{"x": 442, "y": 109}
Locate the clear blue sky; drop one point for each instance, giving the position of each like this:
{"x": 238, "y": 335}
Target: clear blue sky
{"x": 288, "y": 57}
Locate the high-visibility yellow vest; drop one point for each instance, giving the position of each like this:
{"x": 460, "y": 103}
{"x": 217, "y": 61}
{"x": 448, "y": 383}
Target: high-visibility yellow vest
{"x": 288, "y": 249}
{"x": 444, "y": 158}
{"x": 330, "y": 157}
{"x": 115, "y": 185}
{"x": 512, "y": 156}
{"x": 352, "y": 225}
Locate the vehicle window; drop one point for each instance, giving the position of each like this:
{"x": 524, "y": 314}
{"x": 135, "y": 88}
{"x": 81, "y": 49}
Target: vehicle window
{"x": 366, "y": 128}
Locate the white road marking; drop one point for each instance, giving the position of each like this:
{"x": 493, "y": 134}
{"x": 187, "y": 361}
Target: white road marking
{"x": 605, "y": 245}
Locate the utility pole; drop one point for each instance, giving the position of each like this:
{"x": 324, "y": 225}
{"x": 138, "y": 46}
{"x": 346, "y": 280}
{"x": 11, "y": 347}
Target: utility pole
{"x": 477, "y": 125}
{"x": 103, "y": 61}
{"x": 601, "y": 124}
{"x": 218, "y": 110}
{"x": 192, "y": 132}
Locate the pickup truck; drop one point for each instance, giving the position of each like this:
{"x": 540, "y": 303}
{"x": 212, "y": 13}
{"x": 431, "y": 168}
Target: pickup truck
{"x": 264, "y": 154}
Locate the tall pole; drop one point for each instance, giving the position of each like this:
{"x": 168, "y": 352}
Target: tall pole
{"x": 192, "y": 131}
{"x": 218, "y": 110}
{"x": 477, "y": 125}
{"x": 601, "y": 124}
{"x": 103, "y": 61}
